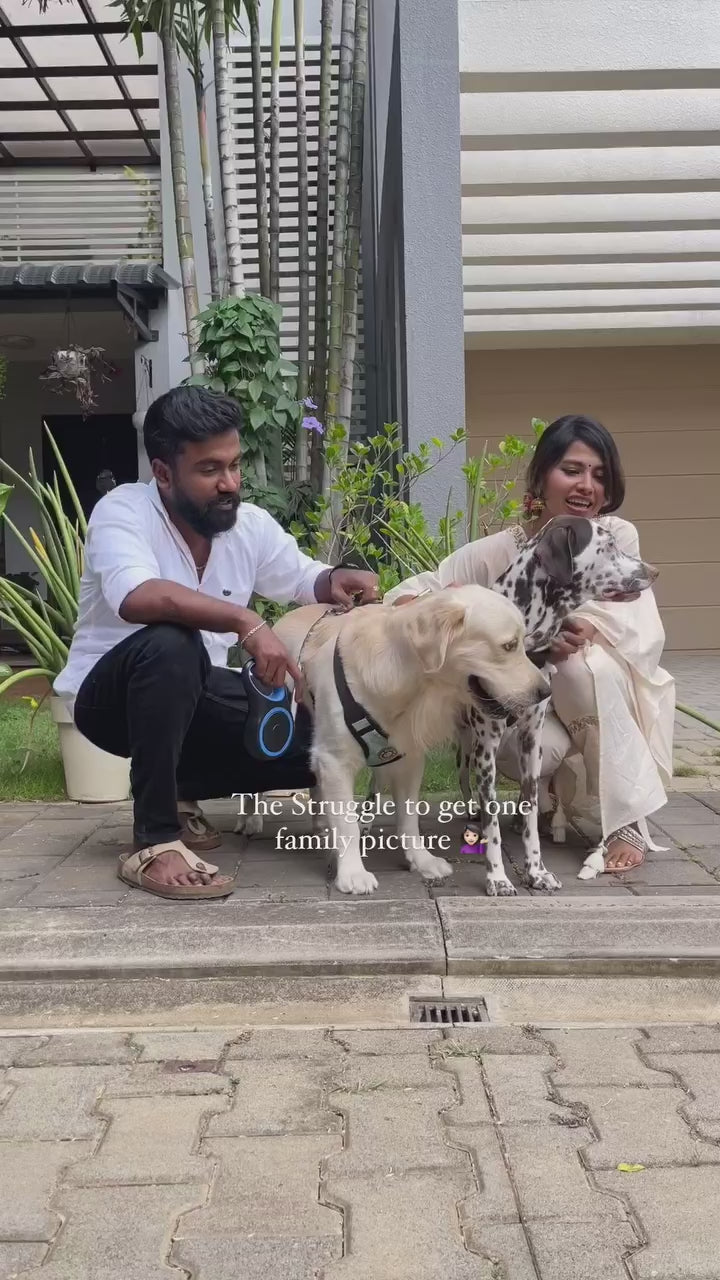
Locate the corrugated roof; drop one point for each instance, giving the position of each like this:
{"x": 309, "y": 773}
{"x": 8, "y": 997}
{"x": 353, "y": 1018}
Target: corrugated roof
{"x": 57, "y": 277}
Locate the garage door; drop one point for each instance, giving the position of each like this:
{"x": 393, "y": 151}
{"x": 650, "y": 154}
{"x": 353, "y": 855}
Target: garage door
{"x": 662, "y": 404}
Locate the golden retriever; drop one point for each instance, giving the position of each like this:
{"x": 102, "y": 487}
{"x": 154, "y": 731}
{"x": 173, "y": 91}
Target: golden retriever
{"x": 409, "y": 668}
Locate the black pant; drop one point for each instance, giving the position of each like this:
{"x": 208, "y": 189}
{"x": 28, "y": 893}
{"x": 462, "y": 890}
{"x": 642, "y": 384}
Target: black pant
{"x": 156, "y": 698}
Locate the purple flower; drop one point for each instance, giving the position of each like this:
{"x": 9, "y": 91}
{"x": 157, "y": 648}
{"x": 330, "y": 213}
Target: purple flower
{"x": 312, "y": 424}
{"x": 308, "y": 402}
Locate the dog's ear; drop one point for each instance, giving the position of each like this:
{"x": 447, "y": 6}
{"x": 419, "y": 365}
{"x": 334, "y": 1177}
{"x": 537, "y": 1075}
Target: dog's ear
{"x": 431, "y": 631}
{"x": 559, "y": 543}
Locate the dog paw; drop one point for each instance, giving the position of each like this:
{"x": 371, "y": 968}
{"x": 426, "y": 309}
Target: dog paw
{"x": 250, "y": 824}
{"x": 500, "y": 888}
{"x": 435, "y": 868}
{"x": 356, "y": 881}
{"x": 543, "y": 880}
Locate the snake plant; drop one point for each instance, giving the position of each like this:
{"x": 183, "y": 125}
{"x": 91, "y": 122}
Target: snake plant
{"x": 44, "y": 618}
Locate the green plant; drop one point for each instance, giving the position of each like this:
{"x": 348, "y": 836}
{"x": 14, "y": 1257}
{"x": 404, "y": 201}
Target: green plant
{"x": 240, "y": 344}
{"x": 45, "y": 624}
{"x": 376, "y": 522}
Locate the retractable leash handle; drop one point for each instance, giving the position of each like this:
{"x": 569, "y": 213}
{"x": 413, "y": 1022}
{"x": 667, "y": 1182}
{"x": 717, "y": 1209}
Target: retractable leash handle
{"x": 270, "y": 727}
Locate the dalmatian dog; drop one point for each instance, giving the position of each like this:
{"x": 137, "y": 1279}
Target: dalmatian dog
{"x": 572, "y": 560}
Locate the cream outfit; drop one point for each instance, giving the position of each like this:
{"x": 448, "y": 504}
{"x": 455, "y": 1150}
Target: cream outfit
{"x": 607, "y": 739}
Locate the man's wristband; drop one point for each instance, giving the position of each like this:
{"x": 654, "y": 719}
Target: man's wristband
{"x": 252, "y": 631}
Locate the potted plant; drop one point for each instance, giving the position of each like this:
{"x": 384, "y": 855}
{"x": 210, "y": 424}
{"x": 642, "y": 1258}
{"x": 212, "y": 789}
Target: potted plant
{"x": 45, "y": 623}
{"x": 71, "y": 371}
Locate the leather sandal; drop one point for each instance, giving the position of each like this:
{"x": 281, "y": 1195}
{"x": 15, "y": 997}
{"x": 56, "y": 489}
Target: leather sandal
{"x": 596, "y": 862}
{"x": 134, "y": 869}
{"x": 197, "y": 832}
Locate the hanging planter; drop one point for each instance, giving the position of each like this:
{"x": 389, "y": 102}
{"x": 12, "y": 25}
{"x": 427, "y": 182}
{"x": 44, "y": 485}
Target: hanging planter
{"x": 71, "y": 371}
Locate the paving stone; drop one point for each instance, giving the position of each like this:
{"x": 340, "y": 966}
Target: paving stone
{"x": 12, "y": 892}
{"x": 404, "y": 1225}
{"x": 15, "y": 867}
{"x": 263, "y": 1183}
{"x": 228, "y": 1259}
{"x": 117, "y": 1231}
{"x": 682, "y": 1039}
{"x": 389, "y": 1132}
{"x": 149, "y": 1140}
{"x": 680, "y": 1212}
{"x": 42, "y": 898}
{"x": 549, "y": 1178}
{"x": 383, "y": 1042}
{"x": 581, "y": 1250}
{"x": 700, "y": 1073}
{"x": 410, "y": 1071}
{"x": 278, "y": 872}
{"x": 639, "y": 1126}
{"x": 16, "y": 1259}
{"x": 12, "y": 1048}
{"x": 51, "y": 1103}
{"x": 54, "y": 838}
{"x": 485, "y": 1038}
{"x": 402, "y": 885}
{"x": 186, "y": 1046}
{"x": 495, "y": 1200}
{"x": 85, "y": 1049}
{"x": 711, "y": 800}
{"x": 472, "y": 1106}
{"x": 157, "y": 1079}
{"x": 29, "y": 1174}
{"x": 285, "y": 1097}
{"x": 599, "y": 1056}
{"x": 669, "y": 872}
{"x": 708, "y": 855}
{"x": 504, "y": 1246}
{"x": 519, "y": 1087}
{"x": 284, "y": 1042}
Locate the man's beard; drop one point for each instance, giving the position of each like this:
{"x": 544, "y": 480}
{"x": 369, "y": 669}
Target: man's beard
{"x": 215, "y": 517}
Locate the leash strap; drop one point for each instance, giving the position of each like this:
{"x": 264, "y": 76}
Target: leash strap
{"x": 367, "y": 732}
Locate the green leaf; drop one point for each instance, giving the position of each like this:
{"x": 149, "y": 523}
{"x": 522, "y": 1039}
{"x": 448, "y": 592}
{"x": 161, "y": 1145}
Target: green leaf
{"x": 5, "y": 491}
{"x": 257, "y": 416}
{"x": 217, "y": 384}
{"x": 255, "y": 389}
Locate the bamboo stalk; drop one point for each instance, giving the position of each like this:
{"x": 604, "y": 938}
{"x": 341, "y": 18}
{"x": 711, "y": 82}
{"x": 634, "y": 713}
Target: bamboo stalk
{"x": 181, "y": 197}
{"x": 207, "y": 189}
{"x": 352, "y": 245}
{"x": 342, "y": 176}
{"x": 261, "y": 195}
{"x": 226, "y": 149}
{"x": 320, "y": 337}
{"x": 302, "y": 451}
{"x": 275, "y": 152}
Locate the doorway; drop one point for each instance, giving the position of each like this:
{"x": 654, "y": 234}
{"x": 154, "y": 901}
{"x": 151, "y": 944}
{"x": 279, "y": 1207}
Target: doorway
{"x": 96, "y": 451}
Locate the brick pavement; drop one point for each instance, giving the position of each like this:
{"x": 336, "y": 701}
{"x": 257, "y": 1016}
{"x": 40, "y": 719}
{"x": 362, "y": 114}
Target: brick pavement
{"x": 482, "y": 1154}
{"x": 63, "y": 856}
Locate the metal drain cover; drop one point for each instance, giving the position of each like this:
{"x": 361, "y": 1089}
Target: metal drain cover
{"x": 448, "y": 1013}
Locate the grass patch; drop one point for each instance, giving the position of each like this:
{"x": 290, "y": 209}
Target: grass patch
{"x": 42, "y": 778}
{"x": 687, "y": 771}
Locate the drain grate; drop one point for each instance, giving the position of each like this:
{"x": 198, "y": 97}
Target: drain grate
{"x": 448, "y": 1013}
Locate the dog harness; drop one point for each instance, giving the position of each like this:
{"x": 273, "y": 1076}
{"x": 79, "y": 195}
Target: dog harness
{"x": 373, "y": 740}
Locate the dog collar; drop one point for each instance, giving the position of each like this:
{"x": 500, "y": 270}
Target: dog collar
{"x": 373, "y": 741}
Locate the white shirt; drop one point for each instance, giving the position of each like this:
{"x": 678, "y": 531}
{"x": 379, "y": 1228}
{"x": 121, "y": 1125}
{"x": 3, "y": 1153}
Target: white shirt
{"x": 131, "y": 540}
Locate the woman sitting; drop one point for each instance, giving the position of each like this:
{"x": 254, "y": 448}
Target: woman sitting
{"x": 607, "y": 739}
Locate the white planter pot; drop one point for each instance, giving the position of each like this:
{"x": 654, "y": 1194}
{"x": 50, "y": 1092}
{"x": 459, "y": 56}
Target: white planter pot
{"x": 91, "y": 775}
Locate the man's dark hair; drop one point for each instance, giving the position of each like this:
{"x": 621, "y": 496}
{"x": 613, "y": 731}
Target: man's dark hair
{"x": 184, "y": 415}
{"x": 557, "y": 439}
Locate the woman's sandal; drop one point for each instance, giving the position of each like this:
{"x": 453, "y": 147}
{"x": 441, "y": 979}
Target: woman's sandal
{"x": 630, "y": 835}
{"x": 134, "y": 868}
{"x": 596, "y": 862}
